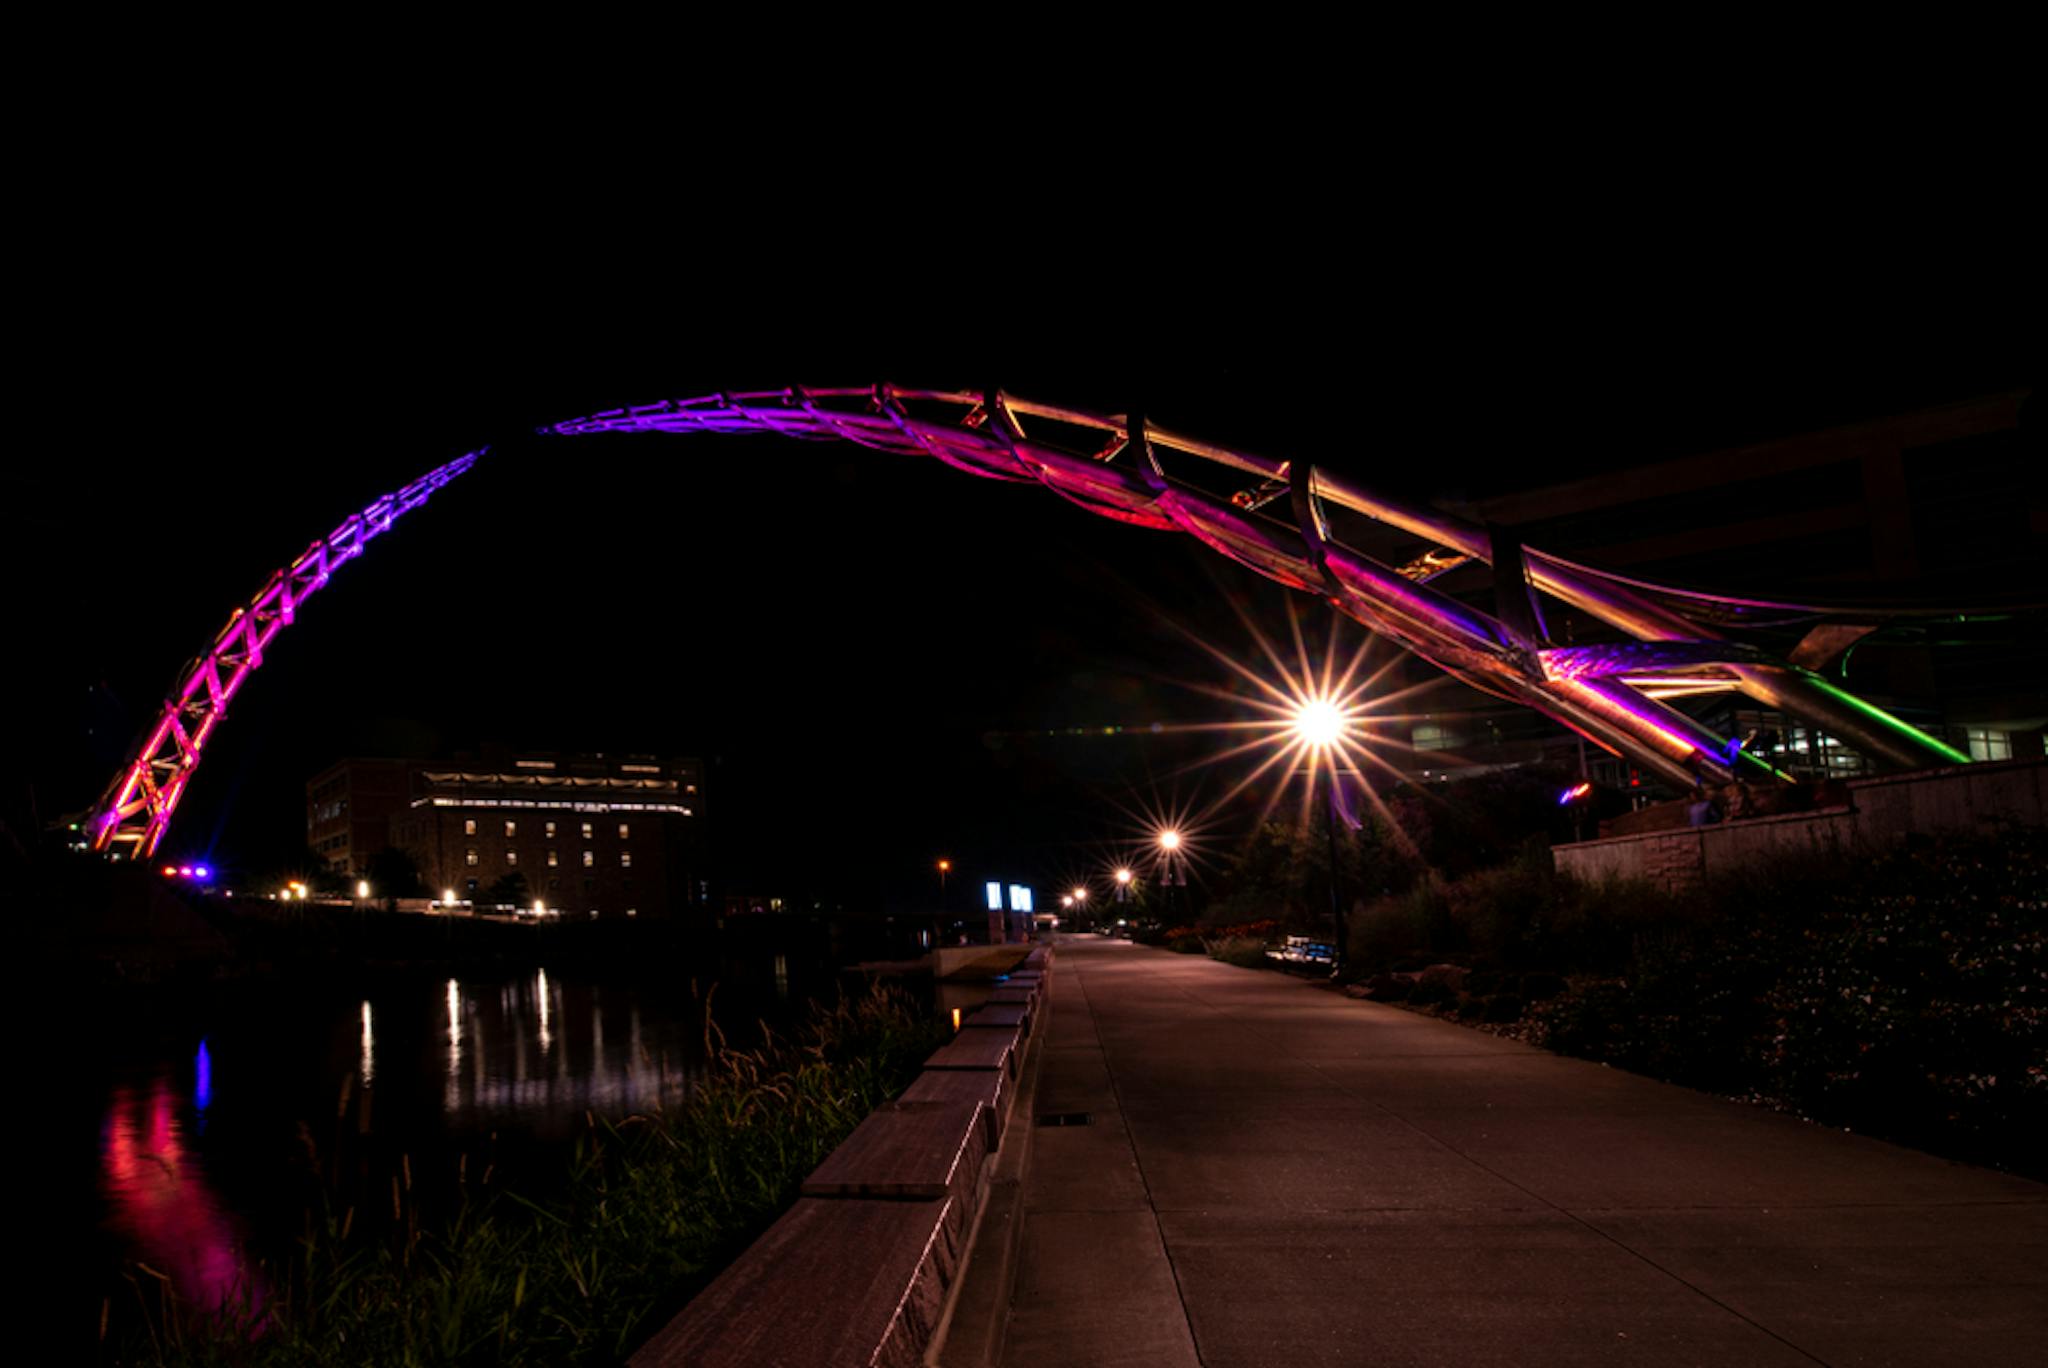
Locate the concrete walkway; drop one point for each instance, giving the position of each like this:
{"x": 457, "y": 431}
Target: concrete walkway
{"x": 1277, "y": 1175}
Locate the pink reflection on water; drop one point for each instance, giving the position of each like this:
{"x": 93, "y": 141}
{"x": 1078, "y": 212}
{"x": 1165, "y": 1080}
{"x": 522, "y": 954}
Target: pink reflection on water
{"x": 156, "y": 1190}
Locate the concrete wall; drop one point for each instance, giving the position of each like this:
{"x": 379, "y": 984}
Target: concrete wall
{"x": 1979, "y": 797}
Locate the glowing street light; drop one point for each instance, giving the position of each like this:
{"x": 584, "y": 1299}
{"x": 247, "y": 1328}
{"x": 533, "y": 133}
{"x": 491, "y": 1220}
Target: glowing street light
{"x": 1319, "y": 725}
{"x": 1080, "y": 893}
{"x": 1169, "y": 840}
{"x": 362, "y": 888}
{"x": 1123, "y": 876}
{"x": 945, "y": 868}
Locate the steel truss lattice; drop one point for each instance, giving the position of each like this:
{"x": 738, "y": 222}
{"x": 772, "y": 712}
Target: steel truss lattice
{"x": 1117, "y": 467}
{"x": 136, "y": 808}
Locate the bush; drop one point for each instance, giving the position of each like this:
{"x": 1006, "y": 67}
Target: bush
{"x": 1504, "y": 1007}
{"x": 1246, "y": 952}
{"x": 1430, "y": 992}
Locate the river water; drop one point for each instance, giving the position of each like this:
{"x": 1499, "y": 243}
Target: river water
{"x": 220, "y": 1122}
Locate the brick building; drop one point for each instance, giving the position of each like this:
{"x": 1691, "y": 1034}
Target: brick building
{"x": 611, "y": 834}
{"x": 349, "y": 807}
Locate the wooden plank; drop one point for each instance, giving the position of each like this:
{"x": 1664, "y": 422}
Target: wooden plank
{"x": 993, "y": 1014}
{"x": 833, "y": 1282}
{"x": 989, "y": 1087}
{"x": 907, "y": 1149}
{"x": 978, "y": 1050}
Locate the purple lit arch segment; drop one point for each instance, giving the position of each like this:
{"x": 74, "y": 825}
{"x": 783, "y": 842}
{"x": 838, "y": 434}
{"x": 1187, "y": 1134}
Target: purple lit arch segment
{"x": 1613, "y": 695}
{"x": 136, "y": 808}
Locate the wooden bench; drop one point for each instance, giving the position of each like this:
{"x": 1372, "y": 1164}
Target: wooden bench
{"x": 835, "y": 1281}
{"x": 916, "y": 1148}
{"x": 999, "y": 1014}
{"x": 995, "y": 1049}
{"x": 858, "y": 1271}
{"x": 989, "y": 1087}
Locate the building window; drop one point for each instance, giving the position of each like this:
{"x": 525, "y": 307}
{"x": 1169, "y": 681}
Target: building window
{"x": 472, "y": 887}
{"x": 469, "y": 826}
{"x": 589, "y": 859}
{"x": 625, "y": 830}
{"x": 587, "y": 831}
{"x": 511, "y": 827}
{"x": 1986, "y": 744}
{"x": 551, "y": 831}
{"x": 625, "y": 859}
{"x": 469, "y": 857}
{"x": 553, "y": 859}
{"x": 1428, "y": 736}
{"x": 512, "y": 859}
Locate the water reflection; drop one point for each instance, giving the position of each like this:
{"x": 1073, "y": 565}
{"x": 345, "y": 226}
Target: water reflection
{"x": 367, "y": 1066}
{"x": 514, "y": 1052}
{"x": 157, "y": 1194}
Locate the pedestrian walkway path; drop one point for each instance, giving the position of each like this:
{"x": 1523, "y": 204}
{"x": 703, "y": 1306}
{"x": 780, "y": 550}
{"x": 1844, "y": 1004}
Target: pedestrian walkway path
{"x": 1272, "y": 1174}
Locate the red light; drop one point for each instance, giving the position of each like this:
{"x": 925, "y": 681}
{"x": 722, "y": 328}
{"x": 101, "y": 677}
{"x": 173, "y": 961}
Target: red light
{"x": 170, "y": 872}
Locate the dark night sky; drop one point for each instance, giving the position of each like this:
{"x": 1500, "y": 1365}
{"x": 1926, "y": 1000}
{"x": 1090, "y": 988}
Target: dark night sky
{"x": 842, "y": 629}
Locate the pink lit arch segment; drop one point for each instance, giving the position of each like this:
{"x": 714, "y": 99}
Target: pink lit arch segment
{"x": 136, "y": 809}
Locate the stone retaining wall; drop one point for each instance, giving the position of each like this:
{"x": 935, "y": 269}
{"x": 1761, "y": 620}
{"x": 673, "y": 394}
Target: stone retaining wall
{"x": 1984, "y": 796}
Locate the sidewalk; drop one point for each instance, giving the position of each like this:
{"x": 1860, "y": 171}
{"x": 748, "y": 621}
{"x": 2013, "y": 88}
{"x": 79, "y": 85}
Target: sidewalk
{"x": 1277, "y": 1175}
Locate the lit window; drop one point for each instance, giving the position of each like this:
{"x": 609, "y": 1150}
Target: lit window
{"x": 589, "y": 859}
{"x": 469, "y": 826}
{"x": 625, "y": 830}
{"x": 511, "y": 827}
{"x": 625, "y": 859}
{"x": 553, "y": 859}
{"x": 587, "y": 832}
{"x": 469, "y": 857}
{"x": 1986, "y": 744}
{"x": 512, "y": 857}
{"x": 1429, "y": 736}
{"x": 551, "y": 831}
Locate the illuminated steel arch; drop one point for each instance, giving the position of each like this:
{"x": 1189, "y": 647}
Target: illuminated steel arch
{"x": 1117, "y": 467}
{"x": 136, "y": 808}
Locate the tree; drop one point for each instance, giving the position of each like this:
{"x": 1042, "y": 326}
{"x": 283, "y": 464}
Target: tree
{"x": 394, "y": 873}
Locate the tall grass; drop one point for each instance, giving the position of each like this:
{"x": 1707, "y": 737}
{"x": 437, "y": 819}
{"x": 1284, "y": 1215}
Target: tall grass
{"x": 654, "y": 1206}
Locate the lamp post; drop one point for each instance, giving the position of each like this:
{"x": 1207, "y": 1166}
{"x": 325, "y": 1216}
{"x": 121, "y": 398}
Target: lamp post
{"x": 945, "y": 868}
{"x": 1319, "y": 725}
{"x": 1169, "y": 847}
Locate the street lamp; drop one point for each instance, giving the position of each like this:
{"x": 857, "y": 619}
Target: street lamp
{"x": 945, "y": 868}
{"x": 1169, "y": 847}
{"x": 363, "y": 888}
{"x": 1319, "y": 725}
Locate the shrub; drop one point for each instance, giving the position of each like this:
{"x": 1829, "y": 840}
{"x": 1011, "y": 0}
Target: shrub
{"x": 1430, "y": 992}
{"x": 1503, "y": 1007}
{"x": 1246, "y": 952}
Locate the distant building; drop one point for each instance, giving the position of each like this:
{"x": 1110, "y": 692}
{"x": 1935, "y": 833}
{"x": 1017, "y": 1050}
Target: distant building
{"x": 611, "y": 834}
{"x": 349, "y": 807}
{"x": 1944, "y": 505}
